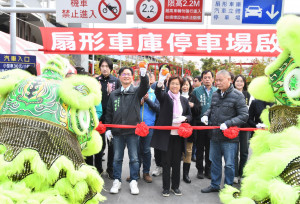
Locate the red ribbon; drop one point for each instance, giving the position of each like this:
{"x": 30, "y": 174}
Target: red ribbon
{"x": 231, "y": 132}
{"x": 101, "y": 128}
{"x": 142, "y": 129}
{"x": 185, "y": 130}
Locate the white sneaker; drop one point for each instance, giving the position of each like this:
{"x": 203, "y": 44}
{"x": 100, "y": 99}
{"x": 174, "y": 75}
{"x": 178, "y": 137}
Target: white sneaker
{"x": 116, "y": 186}
{"x": 134, "y": 187}
{"x": 236, "y": 180}
{"x": 157, "y": 171}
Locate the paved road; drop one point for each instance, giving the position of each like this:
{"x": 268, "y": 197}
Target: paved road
{"x": 151, "y": 192}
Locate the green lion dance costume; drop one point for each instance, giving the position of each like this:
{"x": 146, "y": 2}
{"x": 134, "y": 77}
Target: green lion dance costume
{"x": 272, "y": 175}
{"x": 46, "y": 127}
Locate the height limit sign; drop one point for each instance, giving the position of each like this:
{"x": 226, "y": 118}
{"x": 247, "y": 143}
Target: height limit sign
{"x": 148, "y": 11}
{"x": 169, "y": 11}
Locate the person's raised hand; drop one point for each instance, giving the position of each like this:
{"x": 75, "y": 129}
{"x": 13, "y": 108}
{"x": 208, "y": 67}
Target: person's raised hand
{"x": 143, "y": 68}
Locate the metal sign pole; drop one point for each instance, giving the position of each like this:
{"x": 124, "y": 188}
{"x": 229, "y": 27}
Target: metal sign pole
{"x": 93, "y": 65}
{"x": 13, "y": 28}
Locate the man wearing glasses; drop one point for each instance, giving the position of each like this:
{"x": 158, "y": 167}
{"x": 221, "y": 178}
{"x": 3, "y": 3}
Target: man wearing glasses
{"x": 197, "y": 81}
{"x": 124, "y": 108}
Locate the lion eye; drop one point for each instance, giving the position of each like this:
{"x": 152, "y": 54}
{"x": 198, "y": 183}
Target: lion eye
{"x": 84, "y": 119}
{"x": 292, "y": 83}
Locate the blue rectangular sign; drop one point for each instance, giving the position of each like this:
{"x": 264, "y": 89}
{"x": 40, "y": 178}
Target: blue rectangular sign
{"x": 261, "y": 11}
{"x": 8, "y": 61}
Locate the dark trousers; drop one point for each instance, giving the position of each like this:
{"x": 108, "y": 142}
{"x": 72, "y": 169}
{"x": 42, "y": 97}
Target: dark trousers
{"x": 98, "y": 157}
{"x": 157, "y": 157}
{"x": 202, "y": 145}
{"x": 110, "y": 155}
{"x": 242, "y": 152}
{"x": 172, "y": 159}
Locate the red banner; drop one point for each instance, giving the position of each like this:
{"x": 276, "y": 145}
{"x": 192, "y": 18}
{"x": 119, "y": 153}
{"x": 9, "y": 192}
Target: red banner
{"x": 161, "y": 42}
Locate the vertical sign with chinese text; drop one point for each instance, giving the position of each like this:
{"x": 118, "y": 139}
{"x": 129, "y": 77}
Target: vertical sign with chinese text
{"x": 91, "y": 11}
{"x": 227, "y": 12}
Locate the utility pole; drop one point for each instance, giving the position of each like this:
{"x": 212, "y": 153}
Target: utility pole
{"x": 13, "y": 28}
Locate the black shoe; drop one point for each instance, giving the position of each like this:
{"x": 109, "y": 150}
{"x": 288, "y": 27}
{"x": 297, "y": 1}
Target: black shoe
{"x": 177, "y": 192}
{"x": 186, "y": 178}
{"x": 100, "y": 171}
{"x": 209, "y": 189}
{"x": 186, "y": 169}
{"x": 110, "y": 174}
{"x": 166, "y": 193}
{"x": 200, "y": 175}
{"x": 207, "y": 175}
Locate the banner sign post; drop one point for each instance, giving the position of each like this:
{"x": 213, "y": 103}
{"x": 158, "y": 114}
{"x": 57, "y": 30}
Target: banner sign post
{"x": 161, "y": 42}
{"x": 8, "y": 62}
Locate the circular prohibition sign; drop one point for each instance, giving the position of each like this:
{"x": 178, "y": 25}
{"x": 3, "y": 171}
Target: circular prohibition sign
{"x": 142, "y": 4}
{"x": 106, "y": 8}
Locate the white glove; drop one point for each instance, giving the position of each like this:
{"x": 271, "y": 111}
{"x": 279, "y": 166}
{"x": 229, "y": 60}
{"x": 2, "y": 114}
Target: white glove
{"x": 260, "y": 125}
{"x": 162, "y": 78}
{"x": 143, "y": 71}
{"x": 108, "y": 135}
{"x": 179, "y": 119}
{"x": 223, "y": 126}
{"x": 204, "y": 120}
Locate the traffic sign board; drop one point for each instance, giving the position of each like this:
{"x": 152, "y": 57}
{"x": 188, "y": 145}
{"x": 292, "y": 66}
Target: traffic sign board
{"x": 169, "y": 11}
{"x": 262, "y": 12}
{"x": 8, "y": 61}
{"x": 189, "y": 11}
{"x": 109, "y": 9}
{"x": 91, "y": 11}
{"x": 236, "y": 12}
{"x": 148, "y": 10}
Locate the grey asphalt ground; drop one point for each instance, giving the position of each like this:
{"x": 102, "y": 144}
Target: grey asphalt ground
{"x": 152, "y": 192}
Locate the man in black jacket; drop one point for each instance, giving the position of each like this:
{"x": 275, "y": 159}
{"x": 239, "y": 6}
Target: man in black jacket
{"x": 228, "y": 108}
{"x": 109, "y": 83}
{"x": 124, "y": 108}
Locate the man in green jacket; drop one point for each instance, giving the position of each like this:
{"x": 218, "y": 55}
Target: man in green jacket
{"x": 203, "y": 94}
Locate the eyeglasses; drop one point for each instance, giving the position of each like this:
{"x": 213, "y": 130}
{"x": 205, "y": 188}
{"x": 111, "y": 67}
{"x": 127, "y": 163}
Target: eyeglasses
{"x": 104, "y": 66}
{"x": 124, "y": 74}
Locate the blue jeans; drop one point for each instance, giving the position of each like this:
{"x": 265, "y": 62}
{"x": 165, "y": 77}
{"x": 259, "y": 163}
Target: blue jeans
{"x": 217, "y": 150}
{"x": 120, "y": 142}
{"x": 145, "y": 152}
